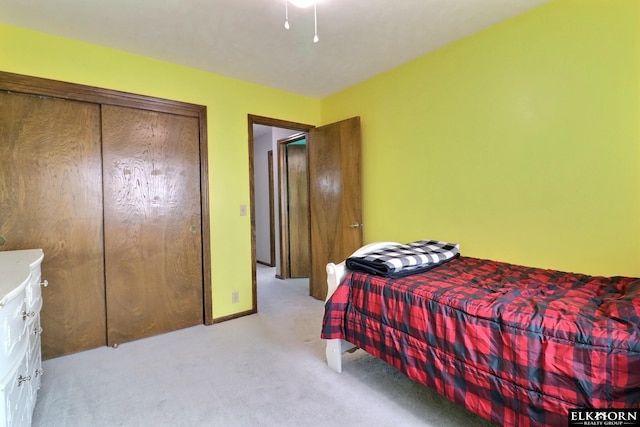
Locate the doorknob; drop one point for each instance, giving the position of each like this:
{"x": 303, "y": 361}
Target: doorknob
{"x": 356, "y": 225}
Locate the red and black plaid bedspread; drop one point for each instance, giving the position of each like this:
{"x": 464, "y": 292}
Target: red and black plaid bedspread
{"x": 515, "y": 345}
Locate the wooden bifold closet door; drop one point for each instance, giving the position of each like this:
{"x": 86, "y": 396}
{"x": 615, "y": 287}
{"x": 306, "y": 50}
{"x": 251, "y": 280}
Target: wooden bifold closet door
{"x": 51, "y": 198}
{"x": 113, "y": 196}
{"x": 152, "y": 223}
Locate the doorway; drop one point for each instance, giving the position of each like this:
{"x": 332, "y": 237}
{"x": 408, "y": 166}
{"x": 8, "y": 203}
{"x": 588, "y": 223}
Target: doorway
{"x": 293, "y": 201}
{"x": 267, "y": 131}
{"x": 335, "y": 199}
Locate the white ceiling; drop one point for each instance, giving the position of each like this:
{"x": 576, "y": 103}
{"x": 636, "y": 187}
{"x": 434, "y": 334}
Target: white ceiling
{"x": 246, "y": 39}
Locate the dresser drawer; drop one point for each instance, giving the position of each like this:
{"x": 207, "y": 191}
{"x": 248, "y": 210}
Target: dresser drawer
{"x": 13, "y": 324}
{"x": 35, "y": 356}
{"x": 33, "y": 292}
{"x": 16, "y": 390}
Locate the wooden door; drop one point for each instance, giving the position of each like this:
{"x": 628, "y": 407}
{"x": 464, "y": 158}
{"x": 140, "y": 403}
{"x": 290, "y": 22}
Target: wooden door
{"x": 272, "y": 210}
{"x": 152, "y": 223}
{"x": 334, "y": 197}
{"x": 51, "y": 198}
{"x": 298, "y": 210}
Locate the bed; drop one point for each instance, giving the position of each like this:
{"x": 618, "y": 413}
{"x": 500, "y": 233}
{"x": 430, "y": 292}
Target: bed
{"x": 513, "y": 344}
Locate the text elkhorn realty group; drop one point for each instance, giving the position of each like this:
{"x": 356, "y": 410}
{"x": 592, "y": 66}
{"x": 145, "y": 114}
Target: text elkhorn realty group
{"x": 603, "y": 417}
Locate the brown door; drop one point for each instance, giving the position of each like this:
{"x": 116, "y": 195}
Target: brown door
{"x": 152, "y": 223}
{"x": 272, "y": 210}
{"x": 51, "y": 198}
{"x": 334, "y": 197}
{"x": 298, "y": 210}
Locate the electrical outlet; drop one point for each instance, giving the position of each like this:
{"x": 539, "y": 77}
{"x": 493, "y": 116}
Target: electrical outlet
{"x": 235, "y": 297}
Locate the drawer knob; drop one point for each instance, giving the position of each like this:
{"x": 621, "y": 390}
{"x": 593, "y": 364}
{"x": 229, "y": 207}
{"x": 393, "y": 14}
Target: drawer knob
{"x": 23, "y": 378}
{"x": 44, "y": 284}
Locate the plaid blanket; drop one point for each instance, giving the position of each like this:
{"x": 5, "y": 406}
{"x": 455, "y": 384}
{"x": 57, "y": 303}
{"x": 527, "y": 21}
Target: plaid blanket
{"x": 403, "y": 260}
{"x": 515, "y": 345}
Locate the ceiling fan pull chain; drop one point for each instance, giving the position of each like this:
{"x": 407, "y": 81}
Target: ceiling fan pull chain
{"x": 315, "y": 21}
{"x": 303, "y": 4}
{"x": 286, "y": 14}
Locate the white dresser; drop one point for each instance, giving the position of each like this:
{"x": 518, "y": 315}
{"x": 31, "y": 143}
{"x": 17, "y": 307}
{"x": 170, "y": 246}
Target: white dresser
{"x": 20, "y": 359}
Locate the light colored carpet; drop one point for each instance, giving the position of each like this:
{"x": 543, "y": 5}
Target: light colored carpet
{"x": 266, "y": 369}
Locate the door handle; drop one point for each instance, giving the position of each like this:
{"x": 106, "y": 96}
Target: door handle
{"x": 355, "y": 224}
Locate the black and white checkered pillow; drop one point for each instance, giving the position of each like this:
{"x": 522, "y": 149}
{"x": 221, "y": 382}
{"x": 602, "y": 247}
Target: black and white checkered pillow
{"x": 404, "y": 259}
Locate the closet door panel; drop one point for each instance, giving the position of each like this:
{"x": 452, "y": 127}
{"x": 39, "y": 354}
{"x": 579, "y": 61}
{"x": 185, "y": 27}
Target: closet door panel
{"x": 51, "y": 198}
{"x": 152, "y": 223}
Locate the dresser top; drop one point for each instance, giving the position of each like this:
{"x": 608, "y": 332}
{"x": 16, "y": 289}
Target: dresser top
{"x": 15, "y": 267}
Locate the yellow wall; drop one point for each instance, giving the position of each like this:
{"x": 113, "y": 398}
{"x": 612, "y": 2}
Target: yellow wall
{"x": 520, "y": 142}
{"x": 228, "y": 102}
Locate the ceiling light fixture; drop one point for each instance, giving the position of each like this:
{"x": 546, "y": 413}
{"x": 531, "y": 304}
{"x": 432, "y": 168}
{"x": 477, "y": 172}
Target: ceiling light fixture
{"x": 303, "y": 4}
